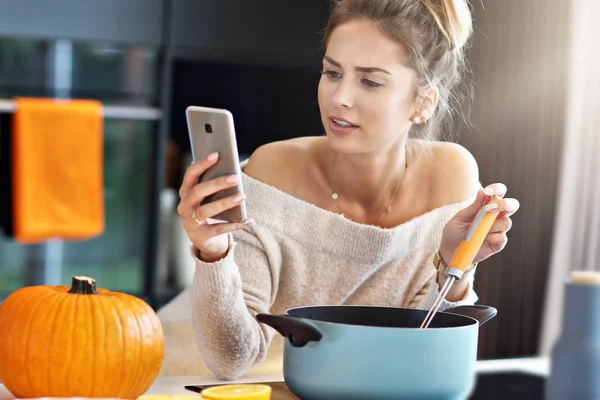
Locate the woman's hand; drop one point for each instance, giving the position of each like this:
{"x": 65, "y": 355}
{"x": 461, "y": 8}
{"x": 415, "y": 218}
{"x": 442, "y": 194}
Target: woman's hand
{"x": 210, "y": 236}
{"x": 456, "y": 229}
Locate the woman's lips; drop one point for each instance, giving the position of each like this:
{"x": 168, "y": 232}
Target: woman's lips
{"x": 342, "y": 126}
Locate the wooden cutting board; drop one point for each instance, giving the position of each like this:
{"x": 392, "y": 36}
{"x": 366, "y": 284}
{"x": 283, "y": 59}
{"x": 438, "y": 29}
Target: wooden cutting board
{"x": 281, "y": 392}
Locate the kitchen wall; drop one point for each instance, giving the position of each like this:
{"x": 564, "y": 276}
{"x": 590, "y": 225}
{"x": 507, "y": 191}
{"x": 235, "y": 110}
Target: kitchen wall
{"x": 519, "y": 66}
{"x": 259, "y": 59}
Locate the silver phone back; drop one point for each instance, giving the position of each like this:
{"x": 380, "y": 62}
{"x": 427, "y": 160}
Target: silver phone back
{"x": 212, "y": 130}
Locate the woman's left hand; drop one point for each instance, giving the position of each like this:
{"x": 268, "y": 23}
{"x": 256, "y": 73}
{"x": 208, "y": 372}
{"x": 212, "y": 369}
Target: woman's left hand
{"x": 456, "y": 229}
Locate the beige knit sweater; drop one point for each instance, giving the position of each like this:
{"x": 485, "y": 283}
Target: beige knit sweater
{"x": 297, "y": 254}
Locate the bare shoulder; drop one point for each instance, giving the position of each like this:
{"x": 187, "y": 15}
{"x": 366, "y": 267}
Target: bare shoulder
{"x": 277, "y": 163}
{"x": 454, "y": 172}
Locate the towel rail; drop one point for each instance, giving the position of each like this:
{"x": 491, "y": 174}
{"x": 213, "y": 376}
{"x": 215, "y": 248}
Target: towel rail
{"x": 120, "y": 112}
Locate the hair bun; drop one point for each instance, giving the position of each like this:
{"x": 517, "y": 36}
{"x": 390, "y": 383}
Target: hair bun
{"x": 454, "y": 20}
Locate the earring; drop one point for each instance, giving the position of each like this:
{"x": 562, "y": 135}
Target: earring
{"x": 416, "y": 120}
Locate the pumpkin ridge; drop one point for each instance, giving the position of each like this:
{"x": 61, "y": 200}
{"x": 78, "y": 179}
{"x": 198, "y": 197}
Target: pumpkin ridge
{"x": 138, "y": 357}
{"x": 118, "y": 392}
{"x": 59, "y": 302}
{"x": 102, "y": 300}
{"x": 15, "y": 342}
{"x": 9, "y": 342}
{"x": 7, "y": 304}
{"x": 141, "y": 349}
{"x": 32, "y": 319}
{"x": 72, "y": 324}
{"x": 90, "y": 301}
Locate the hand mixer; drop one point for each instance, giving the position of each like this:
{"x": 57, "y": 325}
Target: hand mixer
{"x": 464, "y": 255}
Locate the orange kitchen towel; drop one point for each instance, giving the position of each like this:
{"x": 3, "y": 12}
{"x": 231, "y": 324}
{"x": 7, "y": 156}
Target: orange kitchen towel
{"x": 57, "y": 169}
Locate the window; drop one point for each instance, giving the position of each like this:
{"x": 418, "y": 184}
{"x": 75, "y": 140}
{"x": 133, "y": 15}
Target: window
{"x": 114, "y": 75}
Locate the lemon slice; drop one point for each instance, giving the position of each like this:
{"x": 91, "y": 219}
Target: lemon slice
{"x": 246, "y": 391}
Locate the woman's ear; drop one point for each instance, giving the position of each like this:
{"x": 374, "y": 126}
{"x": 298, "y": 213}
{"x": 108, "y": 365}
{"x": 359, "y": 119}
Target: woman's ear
{"x": 433, "y": 95}
{"x": 426, "y": 104}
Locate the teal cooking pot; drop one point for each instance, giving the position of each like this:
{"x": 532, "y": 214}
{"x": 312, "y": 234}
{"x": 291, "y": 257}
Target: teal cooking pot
{"x": 364, "y": 352}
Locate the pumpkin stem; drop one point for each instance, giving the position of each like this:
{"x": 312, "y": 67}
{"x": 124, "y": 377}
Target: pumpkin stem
{"x": 83, "y": 285}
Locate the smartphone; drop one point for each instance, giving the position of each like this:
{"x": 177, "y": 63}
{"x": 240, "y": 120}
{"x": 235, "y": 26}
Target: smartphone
{"x": 212, "y": 130}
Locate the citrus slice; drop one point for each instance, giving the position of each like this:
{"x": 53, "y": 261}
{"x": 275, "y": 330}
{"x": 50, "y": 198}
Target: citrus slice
{"x": 246, "y": 391}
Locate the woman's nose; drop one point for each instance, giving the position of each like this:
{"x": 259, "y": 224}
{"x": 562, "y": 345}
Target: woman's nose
{"x": 343, "y": 96}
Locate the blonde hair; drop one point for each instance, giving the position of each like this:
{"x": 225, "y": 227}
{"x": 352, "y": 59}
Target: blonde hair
{"x": 453, "y": 17}
{"x": 435, "y": 34}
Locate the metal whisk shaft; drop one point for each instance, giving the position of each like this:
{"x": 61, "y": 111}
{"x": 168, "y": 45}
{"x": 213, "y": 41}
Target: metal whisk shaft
{"x": 438, "y": 302}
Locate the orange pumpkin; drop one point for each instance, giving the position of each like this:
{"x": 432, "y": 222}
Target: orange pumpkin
{"x": 57, "y": 341}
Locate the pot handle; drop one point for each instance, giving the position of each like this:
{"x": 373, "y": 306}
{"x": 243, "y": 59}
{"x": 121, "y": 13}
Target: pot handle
{"x": 480, "y": 312}
{"x": 298, "y": 330}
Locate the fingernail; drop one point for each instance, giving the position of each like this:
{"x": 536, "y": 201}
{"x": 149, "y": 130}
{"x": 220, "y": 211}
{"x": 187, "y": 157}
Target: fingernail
{"x": 212, "y": 156}
{"x": 238, "y": 198}
{"x": 192, "y": 163}
{"x": 249, "y": 221}
{"x": 491, "y": 206}
{"x": 489, "y": 191}
{"x": 232, "y": 179}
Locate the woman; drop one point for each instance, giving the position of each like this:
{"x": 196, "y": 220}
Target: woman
{"x": 359, "y": 215}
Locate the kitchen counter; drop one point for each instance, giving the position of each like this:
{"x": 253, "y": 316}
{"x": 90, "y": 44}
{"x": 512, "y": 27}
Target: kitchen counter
{"x": 175, "y": 385}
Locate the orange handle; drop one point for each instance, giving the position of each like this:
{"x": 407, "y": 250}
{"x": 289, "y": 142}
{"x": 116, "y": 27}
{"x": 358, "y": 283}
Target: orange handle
{"x": 480, "y": 227}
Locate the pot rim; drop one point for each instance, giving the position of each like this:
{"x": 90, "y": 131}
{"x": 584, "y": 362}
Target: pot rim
{"x": 473, "y": 322}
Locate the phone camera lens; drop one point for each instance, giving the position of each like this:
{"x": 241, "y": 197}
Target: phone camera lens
{"x": 208, "y": 128}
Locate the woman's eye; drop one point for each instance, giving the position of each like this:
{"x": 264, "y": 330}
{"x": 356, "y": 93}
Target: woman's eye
{"x": 371, "y": 83}
{"x": 332, "y": 74}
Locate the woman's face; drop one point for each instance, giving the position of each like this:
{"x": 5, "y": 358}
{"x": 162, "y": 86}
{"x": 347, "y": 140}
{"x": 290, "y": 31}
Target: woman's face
{"x": 366, "y": 95}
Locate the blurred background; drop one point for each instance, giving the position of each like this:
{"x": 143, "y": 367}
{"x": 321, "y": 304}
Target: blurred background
{"x": 260, "y": 59}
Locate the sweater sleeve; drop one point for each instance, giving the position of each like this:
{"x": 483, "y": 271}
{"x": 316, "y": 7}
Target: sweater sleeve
{"x": 226, "y": 297}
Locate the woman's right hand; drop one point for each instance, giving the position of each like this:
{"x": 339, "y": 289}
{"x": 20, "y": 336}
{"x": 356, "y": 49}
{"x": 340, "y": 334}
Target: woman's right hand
{"x": 210, "y": 236}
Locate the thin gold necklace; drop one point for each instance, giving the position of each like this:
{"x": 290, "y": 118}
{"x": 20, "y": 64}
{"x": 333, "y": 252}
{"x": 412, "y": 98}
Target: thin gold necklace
{"x": 387, "y": 210}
